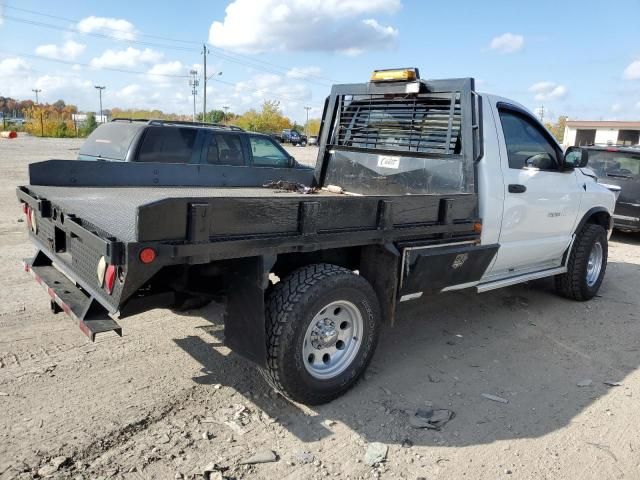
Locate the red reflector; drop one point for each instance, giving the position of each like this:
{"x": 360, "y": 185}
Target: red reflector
{"x": 147, "y": 255}
{"x": 25, "y": 208}
{"x": 28, "y": 214}
{"x": 110, "y": 278}
{"x": 610, "y": 149}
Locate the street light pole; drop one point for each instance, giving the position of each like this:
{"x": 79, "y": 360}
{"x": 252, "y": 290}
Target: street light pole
{"x": 225, "y": 108}
{"x": 100, "y": 88}
{"x": 37, "y": 90}
{"x": 306, "y": 125}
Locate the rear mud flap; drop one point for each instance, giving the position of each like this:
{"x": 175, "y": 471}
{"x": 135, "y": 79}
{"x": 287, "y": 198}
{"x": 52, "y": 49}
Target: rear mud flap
{"x": 244, "y": 327}
{"x": 66, "y": 296}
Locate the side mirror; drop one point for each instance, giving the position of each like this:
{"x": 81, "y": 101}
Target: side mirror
{"x": 576, "y": 157}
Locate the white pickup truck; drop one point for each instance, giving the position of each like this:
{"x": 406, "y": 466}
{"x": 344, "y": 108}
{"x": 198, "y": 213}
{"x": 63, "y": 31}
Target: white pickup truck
{"x": 421, "y": 186}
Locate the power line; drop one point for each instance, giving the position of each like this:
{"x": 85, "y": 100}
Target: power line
{"x": 217, "y": 51}
{"x": 87, "y": 65}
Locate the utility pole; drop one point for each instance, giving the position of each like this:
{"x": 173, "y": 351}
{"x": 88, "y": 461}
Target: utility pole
{"x": 541, "y": 111}
{"x": 100, "y": 88}
{"x": 306, "y": 125}
{"x": 205, "y": 52}
{"x": 37, "y": 90}
{"x": 194, "y": 82}
{"x": 226, "y": 109}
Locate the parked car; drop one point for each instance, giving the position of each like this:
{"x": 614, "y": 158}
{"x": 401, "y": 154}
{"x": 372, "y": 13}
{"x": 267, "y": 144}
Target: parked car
{"x": 164, "y": 141}
{"x": 620, "y": 165}
{"x": 293, "y": 137}
{"x": 448, "y": 189}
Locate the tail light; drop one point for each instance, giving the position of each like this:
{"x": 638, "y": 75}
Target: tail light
{"x": 110, "y": 278}
{"x": 106, "y": 275}
{"x": 147, "y": 255}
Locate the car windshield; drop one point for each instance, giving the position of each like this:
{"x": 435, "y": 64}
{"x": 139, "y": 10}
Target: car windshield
{"x": 613, "y": 163}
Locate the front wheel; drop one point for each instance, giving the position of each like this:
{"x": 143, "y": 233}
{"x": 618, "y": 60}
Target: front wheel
{"x": 586, "y": 265}
{"x": 322, "y": 330}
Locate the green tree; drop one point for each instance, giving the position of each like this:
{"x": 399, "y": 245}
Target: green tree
{"x": 90, "y": 125}
{"x": 212, "y": 116}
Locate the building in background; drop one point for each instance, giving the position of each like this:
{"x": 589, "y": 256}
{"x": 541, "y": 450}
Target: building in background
{"x": 82, "y": 117}
{"x": 601, "y": 132}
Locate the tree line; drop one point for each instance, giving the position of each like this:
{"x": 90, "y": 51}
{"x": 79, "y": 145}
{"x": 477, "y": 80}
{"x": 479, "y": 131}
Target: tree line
{"x": 56, "y": 119}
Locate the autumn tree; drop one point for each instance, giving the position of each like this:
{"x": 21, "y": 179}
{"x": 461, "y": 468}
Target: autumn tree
{"x": 269, "y": 119}
{"x": 557, "y": 129}
{"x": 313, "y": 126}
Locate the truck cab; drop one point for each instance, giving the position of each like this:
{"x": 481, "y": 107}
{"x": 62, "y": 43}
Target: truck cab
{"x": 532, "y": 202}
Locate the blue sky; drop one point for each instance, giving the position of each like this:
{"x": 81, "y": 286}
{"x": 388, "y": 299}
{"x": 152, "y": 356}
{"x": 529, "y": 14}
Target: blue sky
{"x": 575, "y": 58}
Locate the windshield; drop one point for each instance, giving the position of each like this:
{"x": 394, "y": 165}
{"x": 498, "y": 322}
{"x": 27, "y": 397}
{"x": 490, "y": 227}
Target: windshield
{"x": 607, "y": 163}
{"x": 110, "y": 141}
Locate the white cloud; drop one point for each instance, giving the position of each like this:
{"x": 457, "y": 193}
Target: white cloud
{"x": 169, "y": 68}
{"x": 632, "y": 72}
{"x": 303, "y": 72}
{"x": 114, "y": 27}
{"x": 507, "y": 43}
{"x": 131, "y": 57}
{"x": 70, "y": 50}
{"x": 11, "y": 67}
{"x": 304, "y": 25}
{"x": 548, "y": 91}
{"x": 616, "y": 107}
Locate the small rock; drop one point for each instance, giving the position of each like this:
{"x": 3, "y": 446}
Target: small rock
{"x": 508, "y": 472}
{"x": 305, "y": 457}
{"x": 495, "y": 398}
{"x": 58, "y": 461}
{"x": 178, "y": 476}
{"x": 164, "y": 439}
{"x": 211, "y": 472}
{"x": 406, "y": 443}
{"x": 329, "y": 423}
{"x": 386, "y": 390}
{"x": 4, "y": 394}
{"x": 261, "y": 456}
{"x": 47, "y": 471}
{"x": 585, "y": 383}
{"x": 376, "y": 453}
{"x": 206, "y": 435}
{"x": 612, "y": 384}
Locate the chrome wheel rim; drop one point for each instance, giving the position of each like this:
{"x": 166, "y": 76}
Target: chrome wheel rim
{"x": 594, "y": 264}
{"x": 332, "y": 340}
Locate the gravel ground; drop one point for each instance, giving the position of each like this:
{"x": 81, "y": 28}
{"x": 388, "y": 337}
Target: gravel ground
{"x": 168, "y": 398}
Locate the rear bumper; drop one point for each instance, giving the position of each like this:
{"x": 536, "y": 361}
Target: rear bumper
{"x": 67, "y": 297}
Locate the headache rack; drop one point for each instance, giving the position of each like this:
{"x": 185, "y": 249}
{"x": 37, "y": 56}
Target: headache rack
{"x": 402, "y": 137}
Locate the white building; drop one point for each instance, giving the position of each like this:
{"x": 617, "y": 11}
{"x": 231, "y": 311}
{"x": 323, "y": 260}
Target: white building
{"x": 601, "y": 132}
{"x": 82, "y": 117}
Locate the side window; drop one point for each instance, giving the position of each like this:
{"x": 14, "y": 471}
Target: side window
{"x": 167, "y": 145}
{"x": 527, "y": 146}
{"x": 267, "y": 154}
{"x": 225, "y": 150}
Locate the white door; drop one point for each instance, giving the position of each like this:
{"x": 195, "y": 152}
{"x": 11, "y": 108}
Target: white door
{"x": 541, "y": 201}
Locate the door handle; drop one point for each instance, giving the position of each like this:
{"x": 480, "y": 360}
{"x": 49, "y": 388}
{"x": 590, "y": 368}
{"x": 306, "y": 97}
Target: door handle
{"x": 517, "y": 188}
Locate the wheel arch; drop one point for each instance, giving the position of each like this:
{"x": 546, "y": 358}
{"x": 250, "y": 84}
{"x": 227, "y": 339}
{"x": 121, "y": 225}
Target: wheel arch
{"x": 598, "y": 216}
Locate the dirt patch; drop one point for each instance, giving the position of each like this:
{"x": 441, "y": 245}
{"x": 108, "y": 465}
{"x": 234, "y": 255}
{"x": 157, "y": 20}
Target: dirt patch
{"x": 168, "y": 398}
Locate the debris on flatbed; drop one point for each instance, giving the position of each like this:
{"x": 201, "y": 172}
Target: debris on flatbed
{"x": 287, "y": 186}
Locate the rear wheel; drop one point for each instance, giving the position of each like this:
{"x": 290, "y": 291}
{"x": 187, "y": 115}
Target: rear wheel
{"x": 586, "y": 265}
{"x": 322, "y": 330}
